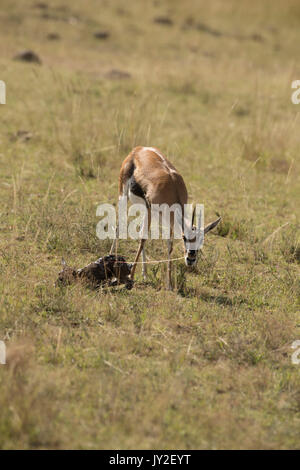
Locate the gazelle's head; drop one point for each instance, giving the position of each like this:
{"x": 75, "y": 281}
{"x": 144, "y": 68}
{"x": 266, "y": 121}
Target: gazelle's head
{"x": 191, "y": 243}
{"x": 193, "y": 237}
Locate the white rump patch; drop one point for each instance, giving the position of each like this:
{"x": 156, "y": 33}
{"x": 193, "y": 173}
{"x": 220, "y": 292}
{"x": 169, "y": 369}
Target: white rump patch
{"x": 152, "y": 149}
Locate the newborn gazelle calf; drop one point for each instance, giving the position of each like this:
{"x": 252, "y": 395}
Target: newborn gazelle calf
{"x": 147, "y": 177}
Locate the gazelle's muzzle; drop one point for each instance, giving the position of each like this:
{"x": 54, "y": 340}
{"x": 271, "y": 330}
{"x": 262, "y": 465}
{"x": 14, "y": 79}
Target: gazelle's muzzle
{"x": 191, "y": 258}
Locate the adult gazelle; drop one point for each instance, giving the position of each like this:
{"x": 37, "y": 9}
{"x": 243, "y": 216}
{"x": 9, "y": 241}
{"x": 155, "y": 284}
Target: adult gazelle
{"x": 147, "y": 176}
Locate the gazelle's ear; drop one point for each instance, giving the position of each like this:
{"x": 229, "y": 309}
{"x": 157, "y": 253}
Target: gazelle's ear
{"x": 212, "y": 225}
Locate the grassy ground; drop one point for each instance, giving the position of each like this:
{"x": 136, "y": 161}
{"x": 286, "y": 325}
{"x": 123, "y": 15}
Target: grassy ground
{"x": 206, "y": 366}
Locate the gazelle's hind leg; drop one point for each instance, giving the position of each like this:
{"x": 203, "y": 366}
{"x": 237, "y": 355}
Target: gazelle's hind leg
{"x": 169, "y": 266}
{"x": 144, "y": 265}
{"x": 121, "y": 202}
{"x": 114, "y": 246}
{"x": 141, "y": 249}
{"x": 145, "y": 230}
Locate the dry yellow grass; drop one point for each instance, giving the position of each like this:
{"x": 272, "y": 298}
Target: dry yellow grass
{"x": 208, "y": 366}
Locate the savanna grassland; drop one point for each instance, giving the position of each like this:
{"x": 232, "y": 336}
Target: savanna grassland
{"x": 208, "y": 365}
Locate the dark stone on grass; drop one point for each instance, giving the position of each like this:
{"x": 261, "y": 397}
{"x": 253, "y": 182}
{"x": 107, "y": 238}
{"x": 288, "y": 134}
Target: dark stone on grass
{"x": 207, "y": 29}
{"x": 41, "y": 5}
{"x": 53, "y": 36}
{"x": 164, "y": 20}
{"x": 241, "y": 111}
{"x": 280, "y": 165}
{"x": 28, "y": 56}
{"x": 101, "y": 35}
{"x": 189, "y": 23}
{"x": 21, "y": 135}
{"x": 49, "y": 16}
{"x": 257, "y": 37}
{"x": 116, "y": 74}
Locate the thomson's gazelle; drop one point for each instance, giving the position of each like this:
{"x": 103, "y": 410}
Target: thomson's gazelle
{"x": 147, "y": 176}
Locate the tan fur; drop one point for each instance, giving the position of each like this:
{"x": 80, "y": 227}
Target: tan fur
{"x": 158, "y": 182}
{"x": 158, "y": 178}
{"x": 161, "y": 184}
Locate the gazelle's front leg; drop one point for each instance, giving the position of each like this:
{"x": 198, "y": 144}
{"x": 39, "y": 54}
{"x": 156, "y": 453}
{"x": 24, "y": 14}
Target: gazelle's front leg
{"x": 122, "y": 205}
{"x": 141, "y": 249}
{"x": 141, "y": 246}
{"x": 144, "y": 265}
{"x": 115, "y": 241}
{"x": 169, "y": 266}
{"x": 114, "y": 246}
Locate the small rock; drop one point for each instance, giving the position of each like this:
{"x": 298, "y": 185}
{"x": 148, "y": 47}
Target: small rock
{"x": 165, "y": 20}
{"x": 241, "y": 111}
{"x": 257, "y": 37}
{"x": 53, "y": 36}
{"x": 189, "y": 23}
{"x": 49, "y": 16}
{"x": 101, "y": 35}
{"x": 280, "y": 165}
{"x": 117, "y": 74}
{"x": 41, "y": 5}
{"x": 207, "y": 29}
{"x": 21, "y": 135}
{"x": 28, "y": 56}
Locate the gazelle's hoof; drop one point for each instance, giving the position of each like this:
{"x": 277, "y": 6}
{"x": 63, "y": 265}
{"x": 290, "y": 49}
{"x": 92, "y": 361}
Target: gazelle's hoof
{"x": 129, "y": 284}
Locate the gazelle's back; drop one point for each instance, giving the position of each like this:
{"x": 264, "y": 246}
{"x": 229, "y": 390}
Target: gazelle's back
{"x": 148, "y": 170}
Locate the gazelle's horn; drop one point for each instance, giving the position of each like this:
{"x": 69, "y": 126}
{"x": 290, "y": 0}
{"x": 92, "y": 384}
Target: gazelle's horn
{"x": 212, "y": 225}
{"x": 193, "y": 216}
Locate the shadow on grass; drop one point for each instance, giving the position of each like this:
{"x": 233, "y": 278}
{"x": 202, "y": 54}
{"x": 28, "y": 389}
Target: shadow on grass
{"x": 219, "y": 299}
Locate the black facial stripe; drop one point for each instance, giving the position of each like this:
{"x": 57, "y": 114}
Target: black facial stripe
{"x": 191, "y": 240}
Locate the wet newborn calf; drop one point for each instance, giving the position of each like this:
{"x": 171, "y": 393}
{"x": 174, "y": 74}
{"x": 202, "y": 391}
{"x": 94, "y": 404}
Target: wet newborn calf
{"x": 111, "y": 270}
